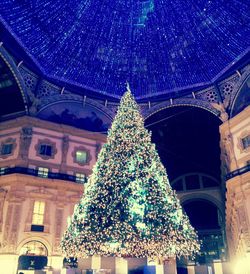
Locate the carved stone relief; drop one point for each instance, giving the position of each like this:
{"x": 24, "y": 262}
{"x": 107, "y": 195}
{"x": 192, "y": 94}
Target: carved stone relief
{"x": 25, "y": 141}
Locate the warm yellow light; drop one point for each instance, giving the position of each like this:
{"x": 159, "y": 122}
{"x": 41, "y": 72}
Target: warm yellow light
{"x": 38, "y": 213}
{"x": 8, "y": 263}
{"x": 242, "y": 266}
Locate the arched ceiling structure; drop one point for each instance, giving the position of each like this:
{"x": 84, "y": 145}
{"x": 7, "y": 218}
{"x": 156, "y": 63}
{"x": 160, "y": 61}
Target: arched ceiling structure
{"x": 11, "y": 99}
{"x": 158, "y": 46}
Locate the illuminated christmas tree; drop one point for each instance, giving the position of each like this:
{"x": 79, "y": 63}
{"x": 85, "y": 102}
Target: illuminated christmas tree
{"x": 129, "y": 208}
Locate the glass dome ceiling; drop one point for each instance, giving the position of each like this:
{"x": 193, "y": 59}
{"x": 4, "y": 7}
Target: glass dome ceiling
{"x": 158, "y": 46}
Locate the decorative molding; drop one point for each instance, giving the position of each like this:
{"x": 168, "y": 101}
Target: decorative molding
{"x": 7, "y": 228}
{"x": 227, "y": 150}
{"x": 221, "y": 108}
{"x": 237, "y": 219}
{"x": 243, "y": 134}
{"x": 73, "y": 199}
{"x": 46, "y": 221}
{"x": 15, "y": 224}
{"x": 41, "y": 193}
{"x": 47, "y": 101}
{"x": 25, "y": 141}
{"x": 39, "y": 238}
{"x": 147, "y": 112}
{"x": 237, "y": 88}
{"x": 28, "y": 123}
{"x": 29, "y": 216}
{"x": 58, "y": 228}
{"x": 48, "y": 142}
{"x": 98, "y": 149}
{"x": 47, "y": 89}
{"x": 3, "y": 194}
{"x": 65, "y": 148}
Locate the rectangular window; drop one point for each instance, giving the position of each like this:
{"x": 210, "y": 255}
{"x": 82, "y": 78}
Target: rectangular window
{"x": 246, "y": 142}
{"x": 6, "y": 149}
{"x": 81, "y": 156}
{"x": 45, "y": 150}
{"x": 43, "y": 172}
{"x": 80, "y": 178}
{"x": 38, "y": 213}
{"x": 37, "y": 228}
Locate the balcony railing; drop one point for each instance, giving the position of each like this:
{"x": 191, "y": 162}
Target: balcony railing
{"x": 238, "y": 172}
{"x": 37, "y": 173}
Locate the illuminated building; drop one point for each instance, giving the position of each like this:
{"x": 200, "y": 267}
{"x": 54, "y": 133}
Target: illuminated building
{"x": 63, "y": 69}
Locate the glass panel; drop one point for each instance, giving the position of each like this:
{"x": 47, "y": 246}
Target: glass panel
{"x": 45, "y": 150}
{"x": 80, "y": 178}
{"x": 38, "y": 213}
{"x": 192, "y": 182}
{"x": 81, "y": 156}
{"x": 208, "y": 182}
{"x": 246, "y": 142}
{"x": 2, "y": 170}
{"x": 178, "y": 185}
{"x": 38, "y": 228}
{"x": 43, "y": 172}
{"x": 6, "y": 149}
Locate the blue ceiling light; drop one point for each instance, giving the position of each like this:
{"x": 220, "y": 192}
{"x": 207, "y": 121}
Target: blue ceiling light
{"x": 158, "y": 46}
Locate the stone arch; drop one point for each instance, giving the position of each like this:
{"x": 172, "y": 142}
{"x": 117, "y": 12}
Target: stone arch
{"x": 52, "y": 100}
{"x": 189, "y": 197}
{"x": 37, "y": 239}
{"x": 16, "y": 73}
{"x": 194, "y": 173}
{"x": 190, "y": 102}
{"x": 238, "y": 88}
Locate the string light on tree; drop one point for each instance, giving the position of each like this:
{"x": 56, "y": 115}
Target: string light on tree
{"x": 129, "y": 208}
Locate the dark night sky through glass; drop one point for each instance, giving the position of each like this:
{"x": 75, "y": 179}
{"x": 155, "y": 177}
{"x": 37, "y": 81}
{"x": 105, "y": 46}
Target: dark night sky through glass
{"x": 159, "y": 46}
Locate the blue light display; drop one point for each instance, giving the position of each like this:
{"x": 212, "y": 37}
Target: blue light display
{"x": 157, "y": 45}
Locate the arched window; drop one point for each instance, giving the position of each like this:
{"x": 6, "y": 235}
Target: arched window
{"x": 33, "y": 255}
{"x": 34, "y": 248}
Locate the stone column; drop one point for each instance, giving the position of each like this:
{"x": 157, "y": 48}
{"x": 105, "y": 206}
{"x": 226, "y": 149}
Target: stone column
{"x": 217, "y": 267}
{"x": 3, "y": 193}
{"x": 156, "y": 265}
{"x": 58, "y": 228}
{"x": 56, "y": 262}
{"x": 25, "y": 141}
{"x": 96, "y": 262}
{"x": 7, "y": 228}
{"x": 121, "y": 266}
{"x": 65, "y": 148}
{"x": 84, "y": 263}
{"x": 170, "y": 266}
{"x": 8, "y": 263}
{"x": 191, "y": 269}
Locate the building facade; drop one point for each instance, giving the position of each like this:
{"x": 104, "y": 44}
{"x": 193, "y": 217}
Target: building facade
{"x": 235, "y": 139}
{"x": 43, "y": 170}
{"x": 51, "y": 132}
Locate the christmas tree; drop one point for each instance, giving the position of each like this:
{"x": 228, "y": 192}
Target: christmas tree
{"x": 129, "y": 208}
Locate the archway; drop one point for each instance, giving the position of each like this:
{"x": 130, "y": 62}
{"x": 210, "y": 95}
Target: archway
{"x": 206, "y": 218}
{"x": 33, "y": 256}
{"x": 9, "y": 90}
{"x": 242, "y": 99}
{"x": 187, "y": 139}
